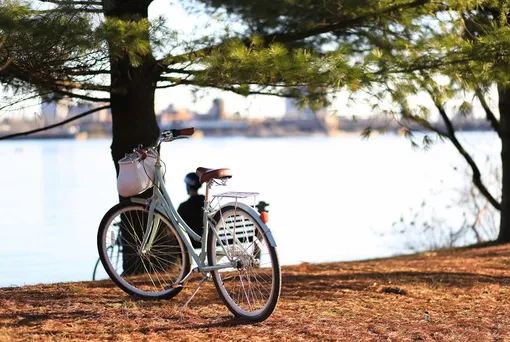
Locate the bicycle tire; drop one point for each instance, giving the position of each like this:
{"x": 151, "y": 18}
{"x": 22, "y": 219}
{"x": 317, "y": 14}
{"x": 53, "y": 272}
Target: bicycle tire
{"x": 98, "y": 263}
{"x": 167, "y": 263}
{"x": 251, "y": 304}
{"x": 95, "y": 269}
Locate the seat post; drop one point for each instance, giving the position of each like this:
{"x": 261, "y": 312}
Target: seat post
{"x": 205, "y": 223}
{"x": 208, "y": 186}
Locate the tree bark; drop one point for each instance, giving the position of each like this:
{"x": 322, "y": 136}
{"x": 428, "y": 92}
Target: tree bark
{"x": 504, "y": 127}
{"x": 133, "y": 117}
{"x": 133, "y": 90}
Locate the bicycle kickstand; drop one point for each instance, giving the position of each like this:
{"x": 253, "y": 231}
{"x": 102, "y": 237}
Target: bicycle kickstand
{"x": 204, "y": 278}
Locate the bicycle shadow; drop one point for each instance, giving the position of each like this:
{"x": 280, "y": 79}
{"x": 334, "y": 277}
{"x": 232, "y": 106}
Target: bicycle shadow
{"x": 227, "y": 323}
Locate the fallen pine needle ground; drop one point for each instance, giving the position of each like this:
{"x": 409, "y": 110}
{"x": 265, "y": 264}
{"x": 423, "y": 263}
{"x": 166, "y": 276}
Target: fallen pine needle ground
{"x": 453, "y": 295}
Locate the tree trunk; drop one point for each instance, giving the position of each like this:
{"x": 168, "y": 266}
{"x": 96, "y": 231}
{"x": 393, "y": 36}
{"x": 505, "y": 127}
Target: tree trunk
{"x": 504, "y": 127}
{"x": 133, "y": 89}
{"x": 133, "y": 117}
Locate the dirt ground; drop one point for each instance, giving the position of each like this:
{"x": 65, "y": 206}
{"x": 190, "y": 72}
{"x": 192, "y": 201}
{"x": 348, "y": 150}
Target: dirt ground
{"x": 456, "y": 295}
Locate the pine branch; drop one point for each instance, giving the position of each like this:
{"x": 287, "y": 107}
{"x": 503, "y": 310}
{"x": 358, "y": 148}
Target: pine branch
{"x": 427, "y": 64}
{"x": 168, "y": 86}
{"x": 477, "y": 177}
{"x": 295, "y": 36}
{"x": 33, "y": 97}
{"x": 291, "y": 37}
{"x": 81, "y": 10}
{"x": 81, "y": 85}
{"x": 78, "y": 96}
{"x": 488, "y": 112}
{"x": 254, "y": 92}
{"x": 185, "y": 81}
{"x": 234, "y": 89}
{"x": 73, "y": 3}
{"x": 427, "y": 125}
{"x": 32, "y": 77}
{"x": 432, "y": 89}
{"x": 179, "y": 71}
{"x": 61, "y": 123}
{"x": 88, "y": 72}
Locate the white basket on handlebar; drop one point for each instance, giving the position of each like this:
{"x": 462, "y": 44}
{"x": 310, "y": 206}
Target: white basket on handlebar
{"x": 136, "y": 174}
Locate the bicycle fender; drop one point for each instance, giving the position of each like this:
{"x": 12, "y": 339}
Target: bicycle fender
{"x": 256, "y": 216}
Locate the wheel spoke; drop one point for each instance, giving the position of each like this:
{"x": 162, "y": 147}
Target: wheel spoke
{"x": 142, "y": 273}
{"x": 251, "y": 287}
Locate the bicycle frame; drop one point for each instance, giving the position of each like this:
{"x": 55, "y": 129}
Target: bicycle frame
{"x": 161, "y": 201}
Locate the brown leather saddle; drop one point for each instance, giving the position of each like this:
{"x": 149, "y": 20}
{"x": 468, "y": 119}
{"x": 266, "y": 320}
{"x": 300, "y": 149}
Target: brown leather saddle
{"x": 205, "y": 174}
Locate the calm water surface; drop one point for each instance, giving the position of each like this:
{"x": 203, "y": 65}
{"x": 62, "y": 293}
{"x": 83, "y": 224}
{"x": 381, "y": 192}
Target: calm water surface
{"x": 328, "y": 196}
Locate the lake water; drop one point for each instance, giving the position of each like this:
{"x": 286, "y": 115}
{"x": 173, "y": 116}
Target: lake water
{"x": 329, "y": 197}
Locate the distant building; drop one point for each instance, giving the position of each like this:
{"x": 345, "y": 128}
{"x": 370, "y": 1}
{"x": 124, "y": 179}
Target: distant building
{"x": 66, "y": 107}
{"x": 217, "y": 111}
{"x": 294, "y": 111}
{"x": 172, "y": 115}
{"x": 101, "y": 116}
{"x": 55, "y": 110}
{"x": 307, "y": 119}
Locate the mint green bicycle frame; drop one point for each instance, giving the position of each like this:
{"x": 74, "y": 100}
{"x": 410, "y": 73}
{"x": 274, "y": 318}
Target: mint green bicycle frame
{"x": 162, "y": 203}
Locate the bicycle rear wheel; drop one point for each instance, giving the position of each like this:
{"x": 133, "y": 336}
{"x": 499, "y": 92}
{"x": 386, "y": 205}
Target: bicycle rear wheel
{"x": 143, "y": 271}
{"x": 250, "y": 287}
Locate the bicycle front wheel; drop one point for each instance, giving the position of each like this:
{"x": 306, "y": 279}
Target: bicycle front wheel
{"x": 140, "y": 266}
{"x": 250, "y": 285}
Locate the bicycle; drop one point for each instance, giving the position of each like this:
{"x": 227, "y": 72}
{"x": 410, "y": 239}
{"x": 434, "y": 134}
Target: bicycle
{"x": 145, "y": 247}
{"x": 261, "y": 209}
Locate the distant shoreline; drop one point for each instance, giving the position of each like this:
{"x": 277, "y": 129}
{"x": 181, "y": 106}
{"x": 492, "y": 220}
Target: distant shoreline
{"x": 200, "y": 134}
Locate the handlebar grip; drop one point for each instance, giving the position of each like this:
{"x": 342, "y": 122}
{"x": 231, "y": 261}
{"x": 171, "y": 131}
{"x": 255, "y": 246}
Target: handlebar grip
{"x": 183, "y": 131}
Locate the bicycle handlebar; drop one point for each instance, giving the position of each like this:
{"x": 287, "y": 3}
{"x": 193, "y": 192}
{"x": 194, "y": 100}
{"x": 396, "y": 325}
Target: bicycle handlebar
{"x": 184, "y": 131}
{"x": 166, "y": 136}
{"x": 174, "y": 133}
